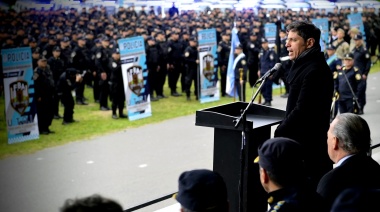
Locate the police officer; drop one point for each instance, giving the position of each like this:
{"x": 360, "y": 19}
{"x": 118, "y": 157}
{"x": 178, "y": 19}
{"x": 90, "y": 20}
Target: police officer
{"x": 240, "y": 69}
{"x": 332, "y": 59}
{"x": 116, "y": 84}
{"x": 253, "y": 49}
{"x": 363, "y": 62}
{"x": 47, "y": 50}
{"x": 346, "y": 83}
{"x": 44, "y": 93}
{"x": 191, "y": 66}
{"x": 66, "y": 51}
{"x": 96, "y": 77}
{"x": 175, "y": 58}
{"x": 57, "y": 67}
{"x": 101, "y": 60}
{"x": 152, "y": 62}
{"x": 35, "y": 57}
{"x": 80, "y": 58}
{"x": 66, "y": 84}
{"x": 163, "y": 63}
{"x": 224, "y": 48}
{"x": 267, "y": 61}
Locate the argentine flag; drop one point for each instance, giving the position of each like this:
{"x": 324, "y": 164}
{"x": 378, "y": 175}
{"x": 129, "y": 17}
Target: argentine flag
{"x": 230, "y": 85}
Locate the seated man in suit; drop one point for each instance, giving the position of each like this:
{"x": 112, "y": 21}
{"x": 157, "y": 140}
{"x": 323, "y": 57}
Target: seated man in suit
{"x": 283, "y": 176}
{"x": 202, "y": 190}
{"x": 349, "y": 141}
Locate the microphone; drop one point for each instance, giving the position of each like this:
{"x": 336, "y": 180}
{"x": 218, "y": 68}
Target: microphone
{"x": 271, "y": 71}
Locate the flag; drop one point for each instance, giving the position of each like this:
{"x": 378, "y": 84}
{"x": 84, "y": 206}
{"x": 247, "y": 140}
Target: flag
{"x": 230, "y": 85}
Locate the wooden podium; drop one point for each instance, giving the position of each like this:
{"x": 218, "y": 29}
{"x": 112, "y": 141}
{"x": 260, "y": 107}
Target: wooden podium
{"x": 227, "y": 149}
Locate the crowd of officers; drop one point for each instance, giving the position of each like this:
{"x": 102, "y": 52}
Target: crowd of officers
{"x": 73, "y": 49}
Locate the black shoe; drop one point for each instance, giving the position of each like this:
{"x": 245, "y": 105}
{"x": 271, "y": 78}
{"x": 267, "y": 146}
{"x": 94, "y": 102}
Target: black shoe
{"x": 44, "y": 132}
{"x": 176, "y": 94}
{"x": 114, "y": 116}
{"x": 123, "y": 116}
{"x": 154, "y": 99}
{"x": 360, "y": 112}
{"x": 196, "y": 98}
{"x": 285, "y": 95}
{"x": 57, "y": 116}
{"x": 161, "y": 96}
{"x": 267, "y": 104}
{"x": 82, "y": 103}
{"x": 105, "y": 108}
{"x": 188, "y": 98}
{"x": 97, "y": 101}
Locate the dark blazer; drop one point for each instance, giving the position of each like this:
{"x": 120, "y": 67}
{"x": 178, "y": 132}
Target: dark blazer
{"x": 357, "y": 171}
{"x": 307, "y": 117}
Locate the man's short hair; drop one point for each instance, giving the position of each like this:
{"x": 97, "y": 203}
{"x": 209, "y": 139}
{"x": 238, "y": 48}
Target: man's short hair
{"x": 94, "y": 203}
{"x": 306, "y": 30}
{"x": 353, "y": 132}
{"x": 202, "y": 190}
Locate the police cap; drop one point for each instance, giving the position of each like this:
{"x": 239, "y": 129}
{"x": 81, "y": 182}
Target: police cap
{"x": 358, "y": 36}
{"x": 264, "y": 40}
{"x": 239, "y": 46}
{"x": 65, "y": 39}
{"x": 349, "y": 56}
{"x": 150, "y": 38}
{"x": 82, "y": 38}
{"x": 201, "y": 189}
{"x": 193, "y": 38}
{"x": 57, "y": 49}
{"x": 280, "y": 156}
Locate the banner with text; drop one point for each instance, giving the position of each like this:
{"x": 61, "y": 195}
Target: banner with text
{"x": 208, "y": 63}
{"x": 356, "y": 21}
{"x": 20, "y": 107}
{"x": 270, "y": 33}
{"x": 135, "y": 76}
{"x": 323, "y": 25}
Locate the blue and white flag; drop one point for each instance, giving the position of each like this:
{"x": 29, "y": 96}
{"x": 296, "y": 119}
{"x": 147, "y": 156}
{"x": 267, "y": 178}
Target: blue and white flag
{"x": 356, "y": 21}
{"x": 230, "y": 85}
{"x": 20, "y": 107}
{"x": 135, "y": 75}
{"x": 323, "y": 25}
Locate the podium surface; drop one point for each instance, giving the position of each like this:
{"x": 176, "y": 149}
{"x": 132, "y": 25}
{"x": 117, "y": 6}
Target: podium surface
{"x": 229, "y": 159}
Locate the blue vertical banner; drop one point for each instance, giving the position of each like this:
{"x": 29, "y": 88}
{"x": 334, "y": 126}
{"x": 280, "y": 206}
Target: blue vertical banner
{"x": 135, "y": 76}
{"x": 270, "y": 33}
{"x": 121, "y": 3}
{"x": 356, "y": 21}
{"x": 20, "y": 106}
{"x": 208, "y": 63}
{"x": 230, "y": 85}
{"x": 323, "y": 25}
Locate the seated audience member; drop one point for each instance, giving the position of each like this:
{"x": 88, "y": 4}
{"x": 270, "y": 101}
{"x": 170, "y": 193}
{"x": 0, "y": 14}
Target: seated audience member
{"x": 94, "y": 203}
{"x": 282, "y": 175}
{"x": 202, "y": 190}
{"x": 349, "y": 141}
{"x": 356, "y": 200}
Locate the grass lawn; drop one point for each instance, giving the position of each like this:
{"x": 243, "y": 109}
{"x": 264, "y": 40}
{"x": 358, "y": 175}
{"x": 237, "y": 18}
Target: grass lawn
{"x": 93, "y": 122}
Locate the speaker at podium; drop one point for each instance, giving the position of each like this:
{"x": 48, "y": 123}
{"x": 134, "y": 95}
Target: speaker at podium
{"x": 234, "y": 161}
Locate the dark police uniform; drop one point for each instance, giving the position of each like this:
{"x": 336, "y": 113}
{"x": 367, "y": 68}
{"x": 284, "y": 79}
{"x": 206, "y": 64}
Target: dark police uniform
{"x": 96, "y": 77}
{"x": 101, "y": 61}
{"x": 163, "y": 61}
{"x": 253, "y": 49}
{"x": 175, "y": 50}
{"x": 342, "y": 86}
{"x": 241, "y": 70}
{"x": 152, "y": 62}
{"x": 116, "y": 86}
{"x": 81, "y": 61}
{"x": 191, "y": 66}
{"x": 57, "y": 66}
{"x": 363, "y": 62}
{"x": 224, "y": 49}
{"x": 44, "y": 93}
{"x": 286, "y": 64}
{"x": 267, "y": 61}
{"x": 66, "y": 84}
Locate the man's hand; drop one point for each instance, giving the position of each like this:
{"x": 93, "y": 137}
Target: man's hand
{"x": 197, "y": 61}
{"x": 364, "y": 77}
{"x": 258, "y": 74}
{"x": 103, "y": 76}
{"x": 78, "y": 78}
{"x": 158, "y": 68}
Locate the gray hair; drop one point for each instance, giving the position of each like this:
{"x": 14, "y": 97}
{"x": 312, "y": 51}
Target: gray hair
{"x": 353, "y": 132}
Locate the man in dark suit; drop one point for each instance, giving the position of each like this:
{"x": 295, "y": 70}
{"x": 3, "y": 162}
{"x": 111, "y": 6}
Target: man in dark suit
{"x": 349, "y": 141}
{"x": 310, "y": 96}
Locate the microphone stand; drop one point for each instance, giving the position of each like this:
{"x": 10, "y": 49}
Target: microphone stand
{"x": 242, "y": 118}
